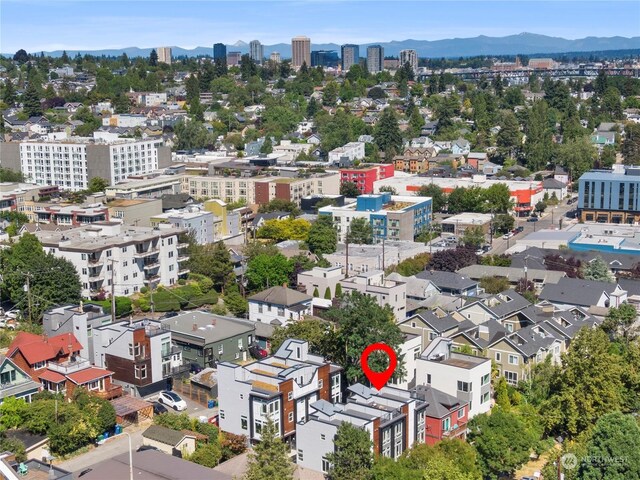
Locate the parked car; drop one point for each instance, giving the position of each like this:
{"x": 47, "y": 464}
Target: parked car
{"x": 173, "y": 400}
{"x": 195, "y": 367}
{"x": 532, "y": 219}
{"x": 480, "y": 251}
{"x": 507, "y": 236}
{"x": 159, "y": 409}
{"x": 519, "y": 229}
{"x": 9, "y": 323}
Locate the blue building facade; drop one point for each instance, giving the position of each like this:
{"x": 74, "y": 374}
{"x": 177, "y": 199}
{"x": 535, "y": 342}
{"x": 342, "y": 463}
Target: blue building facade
{"x": 220, "y": 51}
{"x": 610, "y": 196}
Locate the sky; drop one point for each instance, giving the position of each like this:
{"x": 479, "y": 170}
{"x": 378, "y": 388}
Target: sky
{"x": 47, "y": 25}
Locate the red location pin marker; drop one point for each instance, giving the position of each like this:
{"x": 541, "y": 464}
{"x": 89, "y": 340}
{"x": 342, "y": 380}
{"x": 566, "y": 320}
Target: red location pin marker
{"x": 378, "y": 379}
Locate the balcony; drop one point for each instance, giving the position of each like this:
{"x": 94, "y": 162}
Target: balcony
{"x": 152, "y": 279}
{"x": 146, "y": 253}
{"x": 184, "y": 271}
{"x": 151, "y": 265}
{"x": 183, "y": 258}
{"x": 182, "y": 245}
{"x": 95, "y": 260}
{"x": 69, "y": 366}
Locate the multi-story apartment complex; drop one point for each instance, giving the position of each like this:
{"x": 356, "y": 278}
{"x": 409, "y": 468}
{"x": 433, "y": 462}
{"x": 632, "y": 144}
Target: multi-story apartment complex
{"x": 392, "y": 217}
{"x": 194, "y": 220}
{"x": 220, "y": 51}
{"x": 365, "y": 176}
{"x": 233, "y": 58}
{"x": 164, "y": 55}
{"x": 14, "y": 196}
{"x": 395, "y": 419}
{"x": 71, "y": 215}
{"x": 350, "y": 55}
{"x": 154, "y": 187}
{"x": 300, "y": 51}
{"x": 324, "y": 58}
{"x": 70, "y": 164}
{"x": 375, "y": 58}
{"x": 610, "y": 196}
{"x": 352, "y": 151}
{"x": 137, "y": 212}
{"x": 138, "y": 353}
{"x": 275, "y": 57}
{"x": 110, "y": 256}
{"x": 256, "y": 51}
{"x": 282, "y": 387}
{"x": 524, "y": 194}
{"x": 466, "y": 377}
{"x": 410, "y": 57}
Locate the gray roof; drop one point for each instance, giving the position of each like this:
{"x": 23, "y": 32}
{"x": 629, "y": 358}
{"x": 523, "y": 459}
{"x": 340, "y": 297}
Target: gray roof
{"x": 269, "y": 216}
{"x": 553, "y": 183}
{"x": 534, "y": 258}
{"x": 212, "y": 328}
{"x": 631, "y": 285}
{"x": 151, "y": 465}
{"x": 447, "y": 280}
{"x": 510, "y": 303}
{"x": 495, "y": 332}
{"x": 164, "y": 435}
{"x": 439, "y": 324}
{"x": 439, "y": 404}
{"x": 513, "y": 274}
{"x": 415, "y": 286}
{"x": 280, "y": 296}
{"x": 531, "y": 339}
{"x": 576, "y": 291}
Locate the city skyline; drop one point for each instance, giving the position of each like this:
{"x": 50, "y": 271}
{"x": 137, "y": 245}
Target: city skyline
{"x": 144, "y": 24}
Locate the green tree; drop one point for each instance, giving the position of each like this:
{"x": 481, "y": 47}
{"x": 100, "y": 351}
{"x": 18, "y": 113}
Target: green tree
{"x": 578, "y": 155}
{"x": 493, "y": 285}
{"x": 360, "y": 232}
{"x": 497, "y": 198}
{"x": 611, "y": 105}
{"x": 212, "y": 260}
{"x": 598, "y": 270}
{"x": 502, "y": 392}
{"x": 349, "y": 189}
{"x": 509, "y": 137}
{"x": 327, "y": 293}
{"x": 330, "y": 94}
{"x": 360, "y": 322}
{"x": 620, "y": 321}
{"x": 32, "y": 106}
{"x": 317, "y": 332}
{"x": 267, "y": 146}
{"x": 279, "y": 205}
{"x": 608, "y": 156}
{"x": 387, "y": 133}
{"x": 588, "y": 386}
{"x": 631, "y": 144}
{"x": 191, "y": 135}
{"x": 614, "y": 449}
{"x": 235, "y": 302}
{"x": 266, "y": 271}
{"x": 438, "y": 198}
{"x": 9, "y": 92}
{"x": 353, "y": 456}
{"x": 207, "y": 455}
{"x": 473, "y": 237}
{"x": 503, "y": 441}
{"x": 192, "y": 86}
{"x": 98, "y": 184}
{"x": 538, "y": 147}
{"x": 21, "y": 56}
{"x": 270, "y": 458}
{"x": 503, "y": 223}
{"x": 286, "y": 229}
{"x": 153, "y": 58}
{"x": 323, "y": 236}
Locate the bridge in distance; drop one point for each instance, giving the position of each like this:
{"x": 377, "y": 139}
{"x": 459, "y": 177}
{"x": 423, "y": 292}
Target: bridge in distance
{"x": 580, "y": 71}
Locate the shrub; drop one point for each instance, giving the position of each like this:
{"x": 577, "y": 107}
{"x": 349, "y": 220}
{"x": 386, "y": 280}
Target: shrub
{"x": 144, "y": 290}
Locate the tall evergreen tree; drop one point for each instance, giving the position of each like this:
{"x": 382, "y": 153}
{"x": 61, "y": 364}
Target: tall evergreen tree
{"x": 353, "y": 457}
{"x": 153, "y": 58}
{"x": 9, "y": 92}
{"x": 270, "y": 458}
{"x": 538, "y": 147}
{"x": 387, "y": 133}
{"x": 31, "y": 101}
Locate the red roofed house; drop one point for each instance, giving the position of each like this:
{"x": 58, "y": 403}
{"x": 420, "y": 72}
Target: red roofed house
{"x": 55, "y": 363}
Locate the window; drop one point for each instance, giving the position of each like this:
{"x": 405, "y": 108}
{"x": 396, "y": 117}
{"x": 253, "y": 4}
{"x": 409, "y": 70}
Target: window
{"x": 141, "y": 372}
{"x": 243, "y": 422}
{"x": 420, "y": 424}
{"x": 446, "y": 424}
{"x": 386, "y": 443}
{"x": 260, "y": 308}
{"x": 325, "y": 465}
{"x": 290, "y": 417}
{"x": 428, "y": 379}
{"x": 511, "y": 377}
{"x": 8, "y": 377}
{"x": 39, "y": 365}
{"x": 485, "y": 379}
{"x": 460, "y": 413}
{"x": 320, "y": 383}
{"x": 290, "y": 396}
{"x": 222, "y": 414}
{"x": 131, "y": 349}
{"x": 513, "y": 360}
{"x": 300, "y": 455}
{"x": 498, "y": 357}
{"x": 464, "y": 386}
{"x": 220, "y": 349}
{"x": 323, "y": 436}
{"x": 509, "y": 327}
{"x": 398, "y": 440}
{"x": 484, "y": 399}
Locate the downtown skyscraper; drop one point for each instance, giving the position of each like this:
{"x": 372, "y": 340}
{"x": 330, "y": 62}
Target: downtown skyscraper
{"x": 300, "y": 51}
{"x": 350, "y": 55}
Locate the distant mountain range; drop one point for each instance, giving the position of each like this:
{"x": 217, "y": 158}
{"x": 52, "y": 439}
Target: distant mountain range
{"x": 523, "y": 43}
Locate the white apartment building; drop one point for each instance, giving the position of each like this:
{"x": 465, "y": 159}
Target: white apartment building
{"x": 320, "y": 279}
{"x": 71, "y": 163}
{"x": 131, "y": 257}
{"x": 194, "y": 220}
{"x": 279, "y": 306}
{"x": 352, "y": 151}
{"x": 385, "y": 291}
{"x": 464, "y": 376}
{"x": 282, "y": 387}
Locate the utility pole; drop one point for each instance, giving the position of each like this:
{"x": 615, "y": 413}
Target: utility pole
{"x": 113, "y": 289}
{"x": 383, "y": 254}
{"x": 151, "y": 304}
{"x": 28, "y": 275}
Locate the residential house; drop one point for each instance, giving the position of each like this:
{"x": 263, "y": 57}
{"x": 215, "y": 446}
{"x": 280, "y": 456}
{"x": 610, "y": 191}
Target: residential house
{"x": 55, "y": 363}
{"x": 15, "y": 382}
{"x": 279, "y": 306}
{"x": 539, "y": 277}
{"x": 320, "y": 281}
{"x": 450, "y": 282}
{"x": 417, "y": 288}
{"x": 382, "y": 289}
{"x": 172, "y": 442}
{"x": 282, "y": 387}
{"x": 207, "y": 339}
{"x": 461, "y": 147}
{"x": 466, "y": 377}
{"x": 577, "y": 292}
{"x": 429, "y": 326}
{"x": 555, "y": 188}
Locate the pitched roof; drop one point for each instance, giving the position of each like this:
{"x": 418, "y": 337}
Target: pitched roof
{"x": 165, "y": 435}
{"x": 447, "y": 280}
{"x": 88, "y": 374}
{"x": 280, "y": 296}
{"x": 51, "y": 376}
{"x": 439, "y": 404}
{"x": 552, "y": 183}
{"x": 439, "y": 324}
{"x": 36, "y": 348}
{"x": 509, "y": 302}
{"x": 576, "y": 291}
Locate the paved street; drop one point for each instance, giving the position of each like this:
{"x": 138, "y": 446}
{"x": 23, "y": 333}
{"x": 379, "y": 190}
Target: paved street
{"x": 120, "y": 444}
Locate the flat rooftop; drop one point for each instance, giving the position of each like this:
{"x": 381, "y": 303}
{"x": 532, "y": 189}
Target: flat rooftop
{"x": 414, "y": 181}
